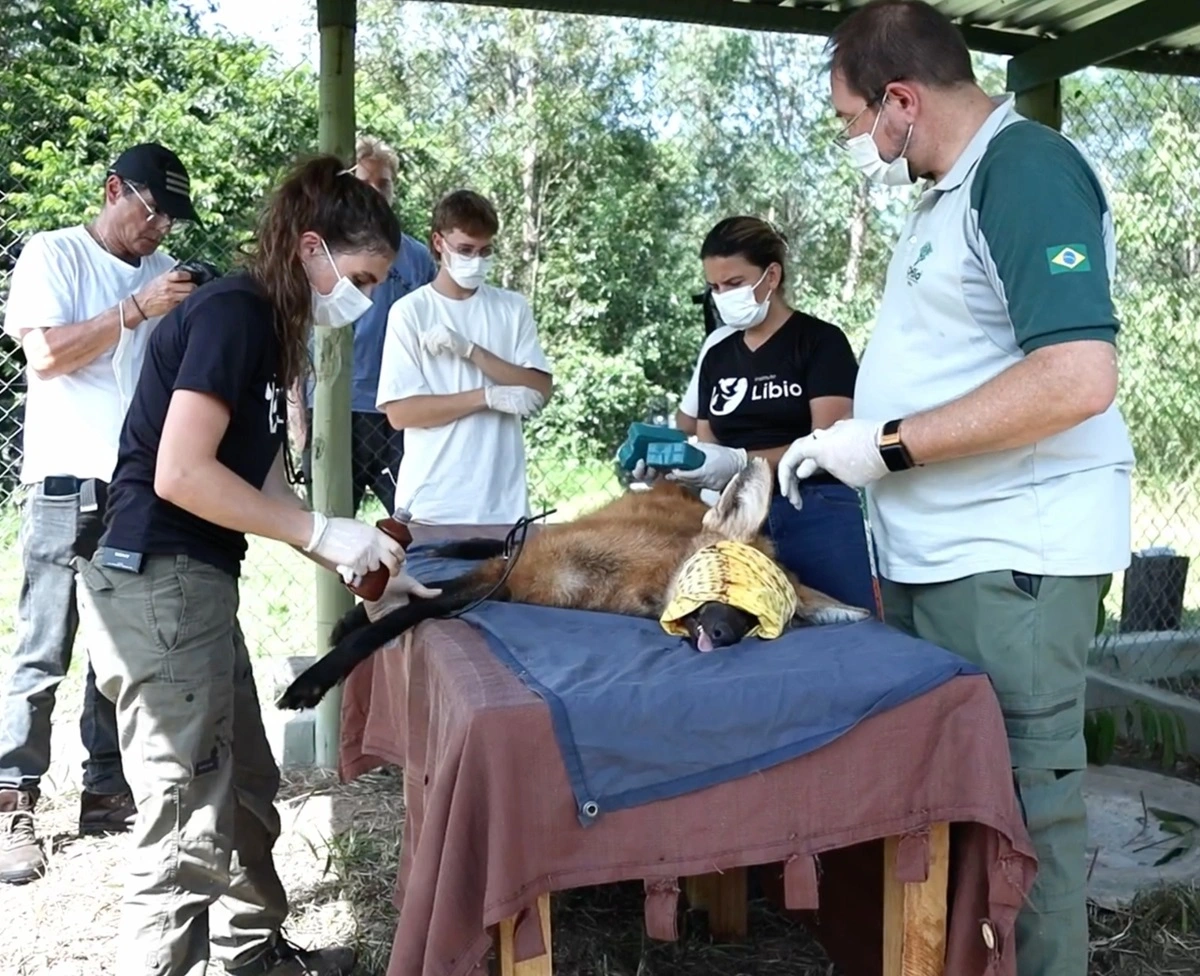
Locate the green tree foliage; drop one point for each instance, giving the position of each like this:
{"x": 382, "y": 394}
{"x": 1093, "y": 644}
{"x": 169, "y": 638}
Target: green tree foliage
{"x": 82, "y": 79}
{"x": 87, "y": 78}
{"x": 1144, "y": 134}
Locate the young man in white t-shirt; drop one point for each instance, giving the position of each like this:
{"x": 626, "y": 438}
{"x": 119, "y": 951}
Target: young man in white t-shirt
{"x": 461, "y": 368}
{"x": 82, "y": 303}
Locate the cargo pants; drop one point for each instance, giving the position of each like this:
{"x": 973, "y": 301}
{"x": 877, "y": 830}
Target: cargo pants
{"x": 168, "y": 650}
{"x": 1031, "y": 634}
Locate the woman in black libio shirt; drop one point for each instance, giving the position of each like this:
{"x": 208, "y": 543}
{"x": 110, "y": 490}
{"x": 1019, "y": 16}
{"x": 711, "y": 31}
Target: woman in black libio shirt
{"x": 201, "y": 466}
{"x": 771, "y": 375}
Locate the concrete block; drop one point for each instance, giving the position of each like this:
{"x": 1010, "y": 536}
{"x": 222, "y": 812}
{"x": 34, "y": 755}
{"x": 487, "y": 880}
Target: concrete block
{"x": 1147, "y": 655}
{"x": 292, "y": 735}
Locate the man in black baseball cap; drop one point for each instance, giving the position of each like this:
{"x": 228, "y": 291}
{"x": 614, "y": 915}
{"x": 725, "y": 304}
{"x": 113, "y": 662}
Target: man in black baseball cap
{"x": 160, "y": 171}
{"x": 83, "y": 302}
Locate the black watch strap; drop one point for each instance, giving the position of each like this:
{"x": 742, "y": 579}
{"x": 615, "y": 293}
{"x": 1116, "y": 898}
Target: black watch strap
{"x": 895, "y": 455}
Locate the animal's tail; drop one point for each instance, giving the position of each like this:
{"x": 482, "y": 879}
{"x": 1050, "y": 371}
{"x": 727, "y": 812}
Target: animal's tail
{"x": 355, "y": 638}
{"x": 479, "y": 548}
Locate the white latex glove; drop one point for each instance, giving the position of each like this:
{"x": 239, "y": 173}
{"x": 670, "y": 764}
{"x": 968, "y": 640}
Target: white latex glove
{"x": 440, "y": 338}
{"x": 521, "y": 400}
{"x": 399, "y": 588}
{"x": 849, "y": 450}
{"x": 721, "y": 465}
{"x": 353, "y": 547}
{"x": 644, "y": 473}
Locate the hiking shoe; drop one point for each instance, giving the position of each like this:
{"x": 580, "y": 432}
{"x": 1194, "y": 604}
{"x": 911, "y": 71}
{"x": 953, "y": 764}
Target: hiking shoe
{"x": 21, "y": 857}
{"x": 104, "y": 813}
{"x": 283, "y": 958}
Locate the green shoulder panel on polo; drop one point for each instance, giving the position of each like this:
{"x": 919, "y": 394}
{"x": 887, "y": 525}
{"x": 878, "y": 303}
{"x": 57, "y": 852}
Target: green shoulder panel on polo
{"x": 1044, "y": 221}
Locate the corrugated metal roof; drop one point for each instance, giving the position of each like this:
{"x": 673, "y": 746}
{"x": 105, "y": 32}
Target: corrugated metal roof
{"x": 1048, "y": 17}
{"x": 997, "y": 26}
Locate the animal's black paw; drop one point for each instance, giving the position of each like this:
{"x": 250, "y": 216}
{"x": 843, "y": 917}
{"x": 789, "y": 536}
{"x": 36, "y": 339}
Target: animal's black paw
{"x": 304, "y": 692}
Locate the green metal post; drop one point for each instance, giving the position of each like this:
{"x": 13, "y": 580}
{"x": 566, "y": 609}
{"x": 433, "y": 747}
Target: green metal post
{"x": 1042, "y": 104}
{"x": 333, "y": 354}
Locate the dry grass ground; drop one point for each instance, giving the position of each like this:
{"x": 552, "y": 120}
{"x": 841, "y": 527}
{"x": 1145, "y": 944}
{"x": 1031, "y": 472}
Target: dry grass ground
{"x": 338, "y": 857}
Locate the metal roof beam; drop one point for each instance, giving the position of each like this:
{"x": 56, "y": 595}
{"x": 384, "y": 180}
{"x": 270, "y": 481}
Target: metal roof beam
{"x": 765, "y": 16}
{"x": 759, "y": 16}
{"x": 1103, "y": 43}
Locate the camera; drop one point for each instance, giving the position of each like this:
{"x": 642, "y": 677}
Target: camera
{"x": 201, "y": 272}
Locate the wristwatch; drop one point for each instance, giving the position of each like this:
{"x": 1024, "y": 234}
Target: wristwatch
{"x": 895, "y": 455}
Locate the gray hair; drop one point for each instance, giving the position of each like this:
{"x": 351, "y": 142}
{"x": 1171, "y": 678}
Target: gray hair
{"x": 371, "y": 147}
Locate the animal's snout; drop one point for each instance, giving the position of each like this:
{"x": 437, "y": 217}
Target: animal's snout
{"x": 714, "y": 625}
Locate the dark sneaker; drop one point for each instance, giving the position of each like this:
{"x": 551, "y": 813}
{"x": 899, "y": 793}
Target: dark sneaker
{"x": 103, "y": 813}
{"x": 282, "y": 958}
{"x": 21, "y": 857}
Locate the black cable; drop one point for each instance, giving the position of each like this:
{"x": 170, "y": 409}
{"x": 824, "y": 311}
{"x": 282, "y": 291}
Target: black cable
{"x": 290, "y": 474}
{"x": 510, "y": 558}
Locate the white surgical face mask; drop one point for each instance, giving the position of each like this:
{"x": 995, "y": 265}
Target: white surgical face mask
{"x": 738, "y": 307}
{"x": 345, "y": 304}
{"x": 467, "y": 273}
{"x": 864, "y": 156}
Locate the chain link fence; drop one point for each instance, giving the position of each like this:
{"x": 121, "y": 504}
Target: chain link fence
{"x": 1143, "y": 132}
{"x": 80, "y": 80}
{"x": 609, "y": 147}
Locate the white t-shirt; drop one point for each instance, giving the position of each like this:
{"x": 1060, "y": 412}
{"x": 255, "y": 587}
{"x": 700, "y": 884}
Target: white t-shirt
{"x": 73, "y": 422}
{"x": 472, "y": 471}
{"x": 691, "y": 396}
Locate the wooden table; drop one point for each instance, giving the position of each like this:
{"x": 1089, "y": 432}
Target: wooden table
{"x": 475, "y": 743}
{"x": 914, "y": 915}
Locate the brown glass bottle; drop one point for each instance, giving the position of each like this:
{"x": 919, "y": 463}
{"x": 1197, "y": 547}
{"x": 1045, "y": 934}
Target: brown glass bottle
{"x": 371, "y": 586}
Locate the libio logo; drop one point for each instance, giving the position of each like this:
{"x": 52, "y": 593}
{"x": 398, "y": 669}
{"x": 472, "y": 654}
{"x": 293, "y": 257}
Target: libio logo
{"x": 729, "y": 393}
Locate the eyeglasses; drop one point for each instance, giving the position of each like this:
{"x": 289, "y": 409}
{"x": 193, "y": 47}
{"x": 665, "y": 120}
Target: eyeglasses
{"x": 152, "y": 214}
{"x": 843, "y": 137}
{"x": 466, "y": 251}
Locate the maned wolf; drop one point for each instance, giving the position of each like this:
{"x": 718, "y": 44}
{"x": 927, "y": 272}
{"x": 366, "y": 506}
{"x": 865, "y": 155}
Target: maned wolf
{"x": 621, "y": 558}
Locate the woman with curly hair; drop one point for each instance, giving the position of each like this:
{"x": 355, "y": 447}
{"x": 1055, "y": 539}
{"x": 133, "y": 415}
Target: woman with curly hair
{"x": 201, "y": 466}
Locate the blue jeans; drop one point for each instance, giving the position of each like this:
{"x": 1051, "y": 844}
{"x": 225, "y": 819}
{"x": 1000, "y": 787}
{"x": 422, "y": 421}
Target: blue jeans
{"x": 825, "y": 542}
{"x": 51, "y": 526}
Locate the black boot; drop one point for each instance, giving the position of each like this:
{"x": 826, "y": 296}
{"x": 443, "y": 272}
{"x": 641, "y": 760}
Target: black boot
{"x": 105, "y": 813}
{"x": 282, "y": 958}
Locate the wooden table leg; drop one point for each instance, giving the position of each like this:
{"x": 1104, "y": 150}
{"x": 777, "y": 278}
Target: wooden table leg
{"x": 537, "y": 966}
{"x": 723, "y": 895}
{"x": 914, "y": 915}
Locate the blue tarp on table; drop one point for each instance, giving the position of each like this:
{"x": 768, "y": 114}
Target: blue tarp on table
{"x": 640, "y": 715}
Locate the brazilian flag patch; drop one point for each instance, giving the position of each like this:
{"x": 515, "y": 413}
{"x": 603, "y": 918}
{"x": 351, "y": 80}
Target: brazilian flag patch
{"x": 1068, "y": 257}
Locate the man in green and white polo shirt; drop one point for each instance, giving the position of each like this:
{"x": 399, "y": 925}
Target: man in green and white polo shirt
{"x": 996, "y": 466}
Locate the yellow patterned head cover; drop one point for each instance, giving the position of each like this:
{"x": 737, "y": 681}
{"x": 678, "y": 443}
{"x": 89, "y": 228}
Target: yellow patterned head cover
{"x": 739, "y": 576}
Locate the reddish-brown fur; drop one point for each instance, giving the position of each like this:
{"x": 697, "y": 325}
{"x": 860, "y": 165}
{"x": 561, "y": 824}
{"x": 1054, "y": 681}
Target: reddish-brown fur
{"x": 621, "y": 558}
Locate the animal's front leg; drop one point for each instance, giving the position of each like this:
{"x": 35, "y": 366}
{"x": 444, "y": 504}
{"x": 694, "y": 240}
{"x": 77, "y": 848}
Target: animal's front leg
{"x": 814, "y": 607}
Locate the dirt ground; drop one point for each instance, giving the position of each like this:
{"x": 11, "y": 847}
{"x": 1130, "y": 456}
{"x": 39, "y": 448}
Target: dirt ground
{"x": 338, "y": 856}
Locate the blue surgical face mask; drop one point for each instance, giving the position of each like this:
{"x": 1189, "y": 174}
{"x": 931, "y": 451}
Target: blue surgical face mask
{"x": 738, "y": 307}
{"x": 469, "y": 273}
{"x": 345, "y": 304}
{"x": 865, "y": 157}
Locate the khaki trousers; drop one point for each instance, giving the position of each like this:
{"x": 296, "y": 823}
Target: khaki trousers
{"x": 168, "y": 651}
{"x": 1032, "y": 636}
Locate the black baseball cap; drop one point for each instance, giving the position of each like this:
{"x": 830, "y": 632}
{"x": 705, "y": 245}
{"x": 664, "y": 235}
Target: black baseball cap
{"x": 160, "y": 170}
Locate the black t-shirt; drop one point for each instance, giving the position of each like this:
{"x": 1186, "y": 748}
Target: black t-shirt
{"x": 759, "y": 399}
{"x": 220, "y": 340}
